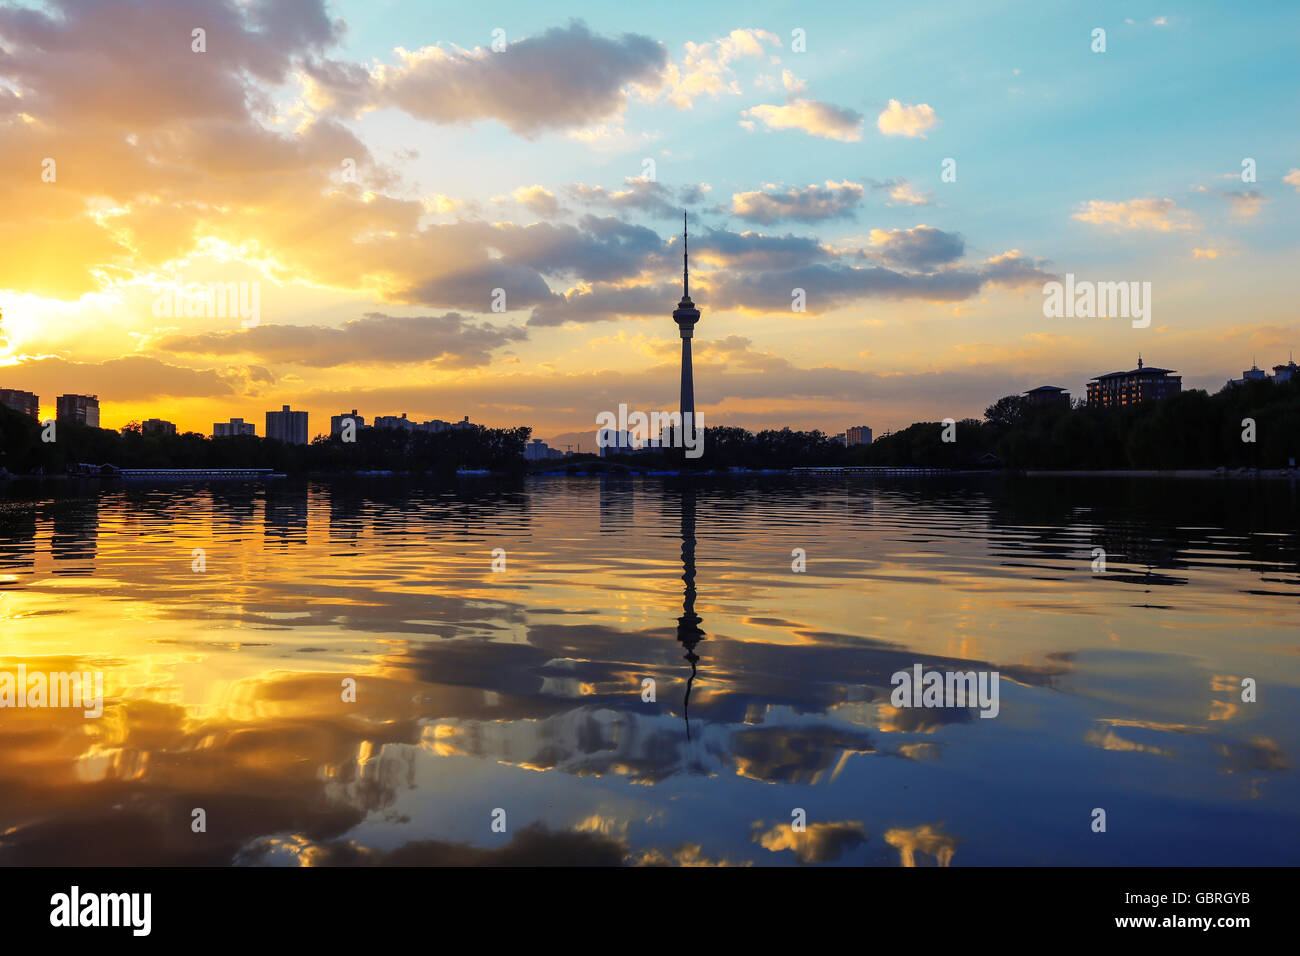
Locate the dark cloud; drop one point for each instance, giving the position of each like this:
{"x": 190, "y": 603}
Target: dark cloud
{"x": 1015, "y": 270}
{"x": 604, "y": 303}
{"x": 598, "y": 249}
{"x": 564, "y": 78}
{"x": 811, "y": 204}
{"x": 447, "y": 341}
{"x": 921, "y": 248}
{"x": 642, "y": 195}
{"x": 107, "y": 61}
{"x": 756, "y": 251}
{"x": 127, "y": 379}
{"x": 829, "y": 286}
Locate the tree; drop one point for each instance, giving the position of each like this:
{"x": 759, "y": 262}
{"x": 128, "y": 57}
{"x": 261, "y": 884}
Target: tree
{"x": 1007, "y": 411}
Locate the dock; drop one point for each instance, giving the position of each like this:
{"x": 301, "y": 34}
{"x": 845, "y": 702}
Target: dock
{"x": 197, "y": 474}
{"x": 872, "y": 471}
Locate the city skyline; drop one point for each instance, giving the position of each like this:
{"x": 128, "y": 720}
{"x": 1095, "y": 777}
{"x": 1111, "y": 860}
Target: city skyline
{"x": 1282, "y": 372}
{"x": 374, "y": 219}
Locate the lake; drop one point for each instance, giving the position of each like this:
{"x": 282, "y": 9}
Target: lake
{"x": 649, "y": 670}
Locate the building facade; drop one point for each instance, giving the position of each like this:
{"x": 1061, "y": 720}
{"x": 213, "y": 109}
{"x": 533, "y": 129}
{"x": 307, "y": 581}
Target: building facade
{"x": 538, "y": 450}
{"x": 857, "y": 435}
{"x": 26, "y": 402}
{"x": 287, "y": 425}
{"x": 395, "y": 421}
{"x": 1046, "y": 396}
{"x": 236, "y": 426}
{"x": 1281, "y": 373}
{"x": 83, "y": 409}
{"x": 156, "y": 426}
{"x": 337, "y": 422}
{"x": 1141, "y": 384}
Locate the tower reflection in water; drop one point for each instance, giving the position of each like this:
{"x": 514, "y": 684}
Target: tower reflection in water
{"x": 688, "y": 625}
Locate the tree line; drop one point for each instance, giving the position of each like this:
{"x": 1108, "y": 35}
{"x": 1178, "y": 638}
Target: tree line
{"x": 1189, "y": 430}
{"x": 1253, "y": 425}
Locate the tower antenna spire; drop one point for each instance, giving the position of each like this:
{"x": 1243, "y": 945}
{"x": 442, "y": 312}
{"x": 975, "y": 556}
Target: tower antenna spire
{"x": 686, "y": 255}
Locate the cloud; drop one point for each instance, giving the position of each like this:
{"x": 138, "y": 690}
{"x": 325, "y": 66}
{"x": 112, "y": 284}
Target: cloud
{"x": 538, "y": 199}
{"x": 643, "y": 195}
{"x": 813, "y": 117}
{"x": 706, "y": 67}
{"x": 1161, "y": 215}
{"x": 1292, "y": 178}
{"x": 89, "y": 58}
{"x": 900, "y": 120}
{"x": 831, "y": 285}
{"x": 921, "y": 247}
{"x": 901, "y": 193}
{"x": 564, "y": 78}
{"x": 90, "y": 72}
{"x": 1246, "y": 203}
{"x": 811, "y": 204}
{"x": 1015, "y": 270}
{"x": 458, "y": 265}
{"x": 130, "y": 378}
{"x": 817, "y": 843}
{"x": 926, "y": 839}
{"x": 606, "y": 303}
{"x": 755, "y": 251}
{"x": 445, "y": 341}
{"x": 1206, "y": 253}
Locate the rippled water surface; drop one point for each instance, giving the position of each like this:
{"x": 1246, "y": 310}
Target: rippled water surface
{"x": 521, "y": 695}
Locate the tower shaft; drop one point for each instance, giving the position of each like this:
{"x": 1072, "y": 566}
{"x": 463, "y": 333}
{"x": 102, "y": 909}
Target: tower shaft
{"x": 686, "y": 315}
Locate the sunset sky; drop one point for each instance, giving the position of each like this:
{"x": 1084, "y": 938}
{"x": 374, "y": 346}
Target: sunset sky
{"x": 529, "y": 170}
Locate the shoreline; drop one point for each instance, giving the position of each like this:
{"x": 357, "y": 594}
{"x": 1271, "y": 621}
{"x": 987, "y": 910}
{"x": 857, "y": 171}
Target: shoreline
{"x": 1253, "y": 473}
{"x": 1269, "y": 474}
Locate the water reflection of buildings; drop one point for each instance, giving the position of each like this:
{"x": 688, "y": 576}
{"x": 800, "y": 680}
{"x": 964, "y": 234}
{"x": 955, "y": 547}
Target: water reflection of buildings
{"x": 285, "y": 514}
{"x": 74, "y": 535}
{"x": 617, "y": 503}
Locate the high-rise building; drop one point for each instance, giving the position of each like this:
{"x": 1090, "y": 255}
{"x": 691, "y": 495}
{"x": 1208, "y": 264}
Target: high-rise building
{"x": 337, "y": 422}
{"x": 236, "y": 426}
{"x": 287, "y": 425}
{"x": 1137, "y": 385}
{"x": 612, "y": 441}
{"x": 857, "y": 435}
{"x": 152, "y": 426}
{"x": 1048, "y": 395}
{"x": 394, "y": 421}
{"x": 538, "y": 450}
{"x": 26, "y": 402}
{"x": 1281, "y": 373}
{"x": 83, "y": 409}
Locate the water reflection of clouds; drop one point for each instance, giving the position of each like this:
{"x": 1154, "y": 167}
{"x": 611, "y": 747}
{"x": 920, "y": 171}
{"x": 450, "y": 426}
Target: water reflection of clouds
{"x": 227, "y": 684}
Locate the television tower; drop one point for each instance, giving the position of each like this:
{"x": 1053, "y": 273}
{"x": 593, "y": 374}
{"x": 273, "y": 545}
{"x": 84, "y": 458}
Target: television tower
{"x": 686, "y": 315}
